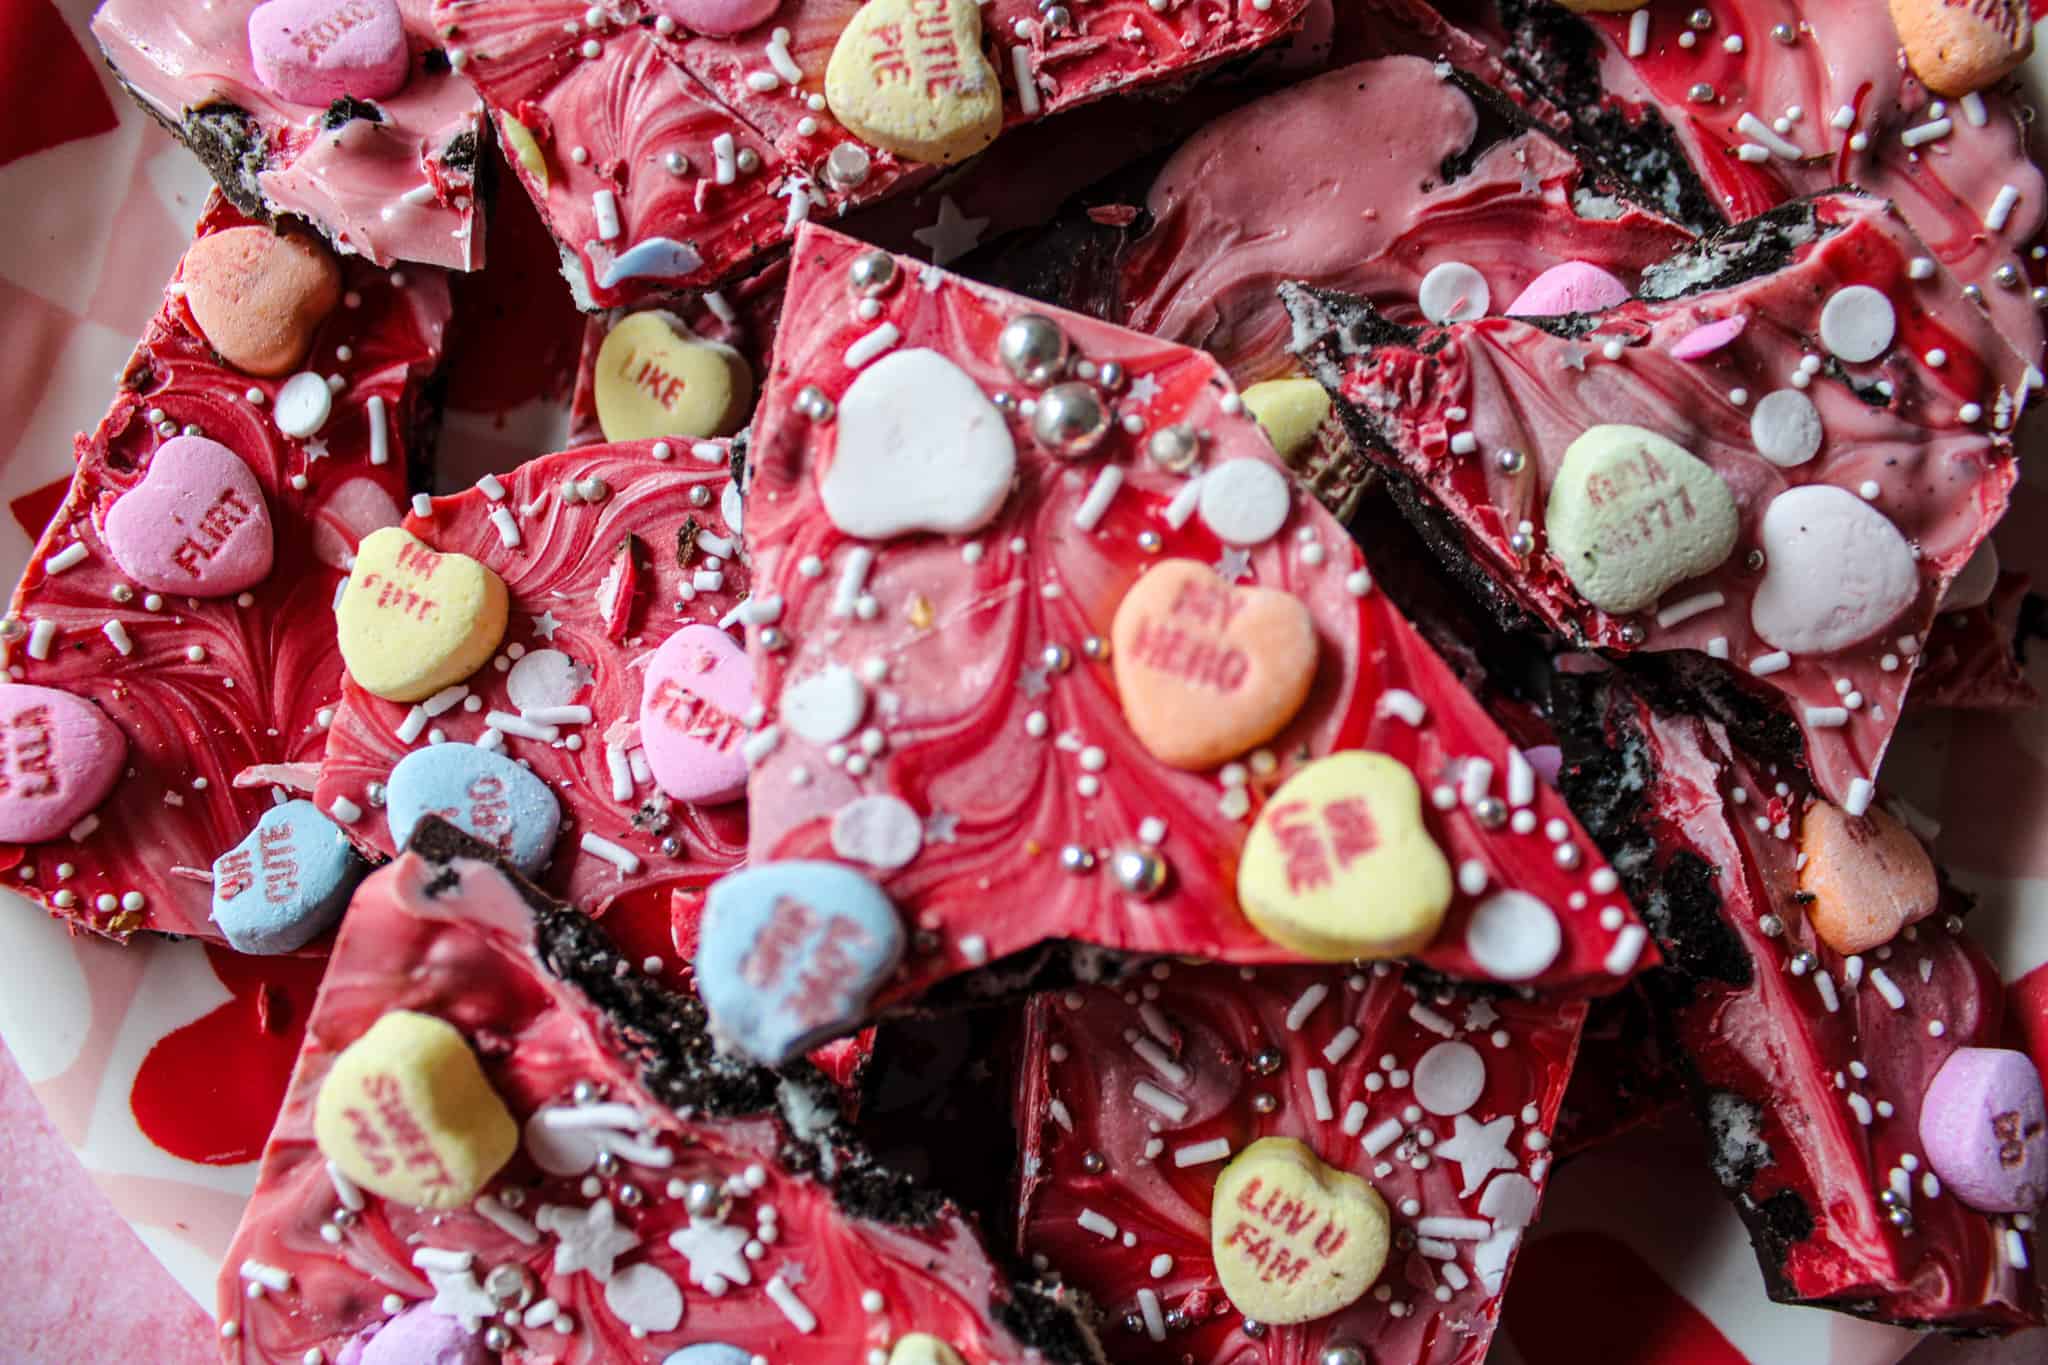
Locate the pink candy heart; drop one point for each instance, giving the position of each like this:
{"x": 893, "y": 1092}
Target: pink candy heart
{"x": 699, "y": 684}
{"x": 196, "y": 525}
{"x": 318, "y": 51}
{"x": 59, "y": 756}
{"x": 1573, "y": 287}
{"x": 720, "y": 18}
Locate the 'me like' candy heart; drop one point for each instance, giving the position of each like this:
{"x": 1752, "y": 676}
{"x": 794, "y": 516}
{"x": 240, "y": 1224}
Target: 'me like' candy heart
{"x": 484, "y": 794}
{"x": 286, "y": 883}
{"x": 59, "y": 757}
{"x": 412, "y": 621}
{"x": 698, "y": 686}
{"x": 318, "y": 51}
{"x": 919, "y": 448}
{"x": 1294, "y": 1239}
{"x": 654, "y": 378}
{"x": 196, "y": 525}
{"x": 790, "y": 953}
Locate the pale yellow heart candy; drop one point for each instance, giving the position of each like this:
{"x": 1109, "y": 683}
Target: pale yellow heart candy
{"x": 526, "y": 147}
{"x": 1288, "y": 411}
{"x": 406, "y": 1113}
{"x": 1293, "y": 1239}
{"x": 922, "y": 1348}
{"x": 1339, "y": 864}
{"x": 1632, "y": 514}
{"x": 412, "y": 621}
{"x": 908, "y": 76}
{"x": 654, "y": 377}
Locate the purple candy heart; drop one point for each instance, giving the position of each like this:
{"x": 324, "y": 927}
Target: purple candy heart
{"x": 1984, "y": 1126}
{"x": 318, "y": 51}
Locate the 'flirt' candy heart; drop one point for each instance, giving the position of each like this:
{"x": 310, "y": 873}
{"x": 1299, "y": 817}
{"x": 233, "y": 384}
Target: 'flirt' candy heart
{"x": 698, "y": 686}
{"x": 196, "y": 525}
{"x": 919, "y": 448}
{"x": 719, "y": 18}
{"x": 259, "y": 295}
{"x": 1339, "y": 864}
{"x": 412, "y": 621}
{"x": 1958, "y": 48}
{"x": 318, "y": 51}
{"x": 1295, "y": 1240}
{"x": 286, "y": 883}
{"x": 1631, "y": 514}
{"x": 1569, "y": 287}
{"x": 1205, "y": 669}
{"x": 789, "y": 954}
{"x": 1868, "y": 877}
{"x": 484, "y": 794}
{"x": 1836, "y": 571}
{"x": 59, "y": 757}
{"x": 1984, "y": 1127}
{"x": 909, "y": 77}
{"x": 653, "y": 377}
{"x": 1289, "y": 411}
{"x": 406, "y": 1113}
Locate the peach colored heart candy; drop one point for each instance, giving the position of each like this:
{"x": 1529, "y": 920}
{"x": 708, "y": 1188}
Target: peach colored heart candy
{"x": 258, "y": 295}
{"x": 1868, "y": 877}
{"x": 1957, "y": 48}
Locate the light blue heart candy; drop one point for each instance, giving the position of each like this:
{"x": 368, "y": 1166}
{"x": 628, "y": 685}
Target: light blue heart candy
{"x": 657, "y": 256}
{"x": 789, "y": 954}
{"x": 709, "y": 1353}
{"x": 484, "y": 794}
{"x": 287, "y": 883}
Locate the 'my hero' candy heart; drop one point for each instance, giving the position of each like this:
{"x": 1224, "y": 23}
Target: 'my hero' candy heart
{"x": 909, "y": 77}
{"x": 482, "y": 793}
{"x": 790, "y": 952}
{"x": 1206, "y": 669}
{"x": 920, "y": 448}
{"x": 196, "y": 525}
{"x": 698, "y": 686}
{"x": 259, "y": 295}
{"x": 653, "y": 378}
{"x": 287, "y": 883}
{"x": 318, "y": 51}
{"x": 1294, "y": 1239}
{"x": 59, "y": 757}
{"x": 1985, "y": 1128}
{"x": 1631, "y": 514}
{"x": 413, "y": 621}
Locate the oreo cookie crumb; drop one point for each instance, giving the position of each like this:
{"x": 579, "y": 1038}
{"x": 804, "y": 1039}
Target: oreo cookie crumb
{"x": 347, "y": 110}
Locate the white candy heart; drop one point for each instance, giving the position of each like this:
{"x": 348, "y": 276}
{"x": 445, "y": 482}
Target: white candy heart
{"x": 919, "y": 448}
{"x": 1836, "y": 571}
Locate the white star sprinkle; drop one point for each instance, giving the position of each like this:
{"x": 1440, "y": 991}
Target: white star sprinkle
{"x": 714, "y": 1250}
{"x": 545, "y": 624}
{"x": 1235, "y": 564}
{"x": 316, "y": 449}
{"x": 953, "y": 235}
{"x": 1031, "y": 682}
{"x": 1480, "y": 1149}
{"x": 792, "y": 1274}
{"x": 1481, "y": 1014}
{"x": 930, "y": 278}
{"x": 458, "y": 1295}
{"x": 942, "y": 827}
{"x": 1144, "y": 389}
{"x": 591, "y": 1239}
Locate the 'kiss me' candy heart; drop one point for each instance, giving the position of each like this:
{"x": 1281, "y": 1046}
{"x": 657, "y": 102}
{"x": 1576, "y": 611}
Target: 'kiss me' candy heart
{"x": 285, "y": 884}
{"x": 909, "y": 77}
{"x": 196, "y": 525}
{"x": 698, "y": 686}
{"x": 1207, "y": 670}
{"x": 484, "y": 794}
{"x": 412, "y": 621}
{"x": 789, "y": 953}
{"x": 919, "y": 448}
{"x": 59, "y": 757}
{"x": 259, "y": 295}
{"x": 653, "y": 378}
{"x": 1294, "y": 1239}
{"x": 318, "y": 51}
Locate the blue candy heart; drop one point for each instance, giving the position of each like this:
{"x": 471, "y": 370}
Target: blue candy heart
{"x": 481, "y": 793}
{"x": 709, "y": 1353}
{"x": 790, "y": 952}
{"x": 286, "y": 883}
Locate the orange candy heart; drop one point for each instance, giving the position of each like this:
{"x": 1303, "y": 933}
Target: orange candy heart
{"x": 259, "y": 295}
{"x": 1867, "y": 875}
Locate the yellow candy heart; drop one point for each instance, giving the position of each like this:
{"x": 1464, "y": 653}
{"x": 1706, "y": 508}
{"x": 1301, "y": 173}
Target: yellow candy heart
{"x": 922, "y": 1348}
{"x": 406, "y": 1113}
{"x": 526, "y": 147}
{"x": 412, "y": 621}
{"x": 1339, "y": 864}
{"x": 1293, "y": 1239}
{"x": 1288, "y": 411}
{"x": 654, "y": 377}
{"x": 908, "y": 76}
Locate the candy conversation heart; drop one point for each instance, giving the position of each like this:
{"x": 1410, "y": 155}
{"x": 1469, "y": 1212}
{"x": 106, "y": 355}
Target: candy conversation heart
{"x": 413, "y": 621}
{"x": 654, "y": 378}
{"x": 197, "y": 524}
{"x": 1863, "y": 878}
{"x": 1293, "y": 1239}
{"x": 258, "y": 295}
{"x": 910, "y": 78}
{"x": 1985, "y": 1127}
{"x": 59, "y": 757}
{"x": 1569, "y": 287}
{"x": 406, "y": 1112}
{"x": 920, "y": 448}
{"x": 319, "y": 51}
{"x": 483, "y": 794}
{"x": 1632, "y": 513}
{"x": 722, "y": 18}
{"x": 922, "y": 1348}
{"x": 1836, "y": 571}
{"x": 420, "y": 1334}
{"x": 286, "y": 883}
{"x": 698, "y": 687}
{"x": 1957, "y": 49}
{"x": 1289, "y": 411}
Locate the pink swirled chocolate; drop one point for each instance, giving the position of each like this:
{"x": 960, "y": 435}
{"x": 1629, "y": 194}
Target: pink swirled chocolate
{"x": 214, "y": 691}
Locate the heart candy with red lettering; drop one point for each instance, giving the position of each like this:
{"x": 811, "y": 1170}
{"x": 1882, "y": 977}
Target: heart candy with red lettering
{"x": 698, "y": 686}
{"x": 197, "y": 524}
{"x": 319, "y": 51}
{"x": 1865, "y": 877}
{"x": 719, "y": 18}
{"x": 1294, "y": 1239}
{"x": 259, "y": 295}
{"x": 482, "y": 793}
{"x": 413, "y": 620}
{"x": 59, "y": 757}
{"x": 286, "y": 883}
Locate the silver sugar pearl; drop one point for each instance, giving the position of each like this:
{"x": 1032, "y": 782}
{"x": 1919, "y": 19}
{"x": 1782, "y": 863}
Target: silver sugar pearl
{"x": 344, "y": 1218}
{"x": 1149, "y": 542}
{"x": 1264, "y": 1104}
{"x": 1900, "y": 1218}
{"x": 1754, "y": 560}
{"x": 1077, "y": 859}
{"x": 772, "y": 638}
{"x": 2041, "y": 296}
{"x": 1056, "y": 658}
{"x": 1133, "y": 1323}
{"x": 847, "y": 167}
{"x": 1266, "y": 1061}
{"x": 1974, "y": 293}
{"x": 705, "y": 1199}
{"x": 1139, "y": 872}
{"x": 1566, "y": 856}
{"x": 1253, "y": 1328}
{"x": 497, "y": 1338}
{"x": 1510, "y": 461}
{"x": 1701, "y": 19}
{"x": 1803, "y": 962}
{"x": 607, "y": 1165}
{"x": 1701, "y": 93}
{"x": 510, "y": 1285}
{"x": 1096, "y": 647}
{"x": 1175, "y": 448}
{"x": 2007, "y": 276}
{"x": 1033, "y": 348}
{"x": 1110, "y": 375}
{"x": 1953, "y": 923}
{"x": 583, "y": 1092}
{"x": 1522, "y": 543}
{"x": 1785, "y": 34}
{"x": 671, "y": 847}
{"x": 812, "y": 403}
{"x": 630, "y": 1196}
{"x": 1632, "y": 633}
{"x": 1175, "y": 1320}
{"x": 1006, "y": 403}
{"x": 1770, "y": 926}
{"x": 1343, "y": 1353}
{"x": 1070, "y": 420}
{"x": 1058, "y": 20}
{"x": 1093, "y": 1163}
{"x": 1490, "y": 811}
{"x": 871, "y": 273}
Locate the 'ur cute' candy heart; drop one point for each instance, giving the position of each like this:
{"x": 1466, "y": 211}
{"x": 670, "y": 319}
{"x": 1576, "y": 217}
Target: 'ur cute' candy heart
{"x": 1339, "y": 864}
{"x": 1985, "y": 1129}
{"x": 481, "y": 793}
{"x": 1836, "y": 571}
{"x": 909, "y": 77}
{"x": 406, "y": 1113}
{"x": 698, "y": 686}
{"x": 1867, "y": 877}
{"x": 789, "y": 954}
{"x": 196, "y": 525}
{"x": 1631, "y": 514}
{"x": 920, "y": 448}
{"x": 59, "y": 757}
{"x": 259, "y": 295}
{"x": 653, "y": 378}
{"x": 1294, "y": 1239}
{"x": 287, "y": 883}
{"x": 1207, "y": 669}
{"x": 412, "y": 621}
{"x": 318, "y": 51}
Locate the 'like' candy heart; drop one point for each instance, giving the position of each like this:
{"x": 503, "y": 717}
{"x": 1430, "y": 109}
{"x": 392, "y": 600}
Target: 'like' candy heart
{"x": 909, "y": 77}
{"x": 484, "y": 794}
{"x": 1295, "y": 1240}
{"x": 1984, "y": 1126}
{"x": 920, "y": 448}
{"x": 318, "y": 51}
{"x": 1339, "y": 864}
{"x": 698, "y": 685}
{"x": 287, "y": 883}
{"x": 411, "y": 621}
{"x": 1207, "y": 670}
{"x": 789, "y": 954}
{"x": 59, "y": 757}
{"x": 259, "y": 295}
{"x": 653, "y": 378}
{"x": 196, "y": 525}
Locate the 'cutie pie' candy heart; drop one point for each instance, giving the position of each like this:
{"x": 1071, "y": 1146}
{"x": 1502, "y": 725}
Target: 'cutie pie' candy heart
{"x": 1295, "y": 1240}
{"x": 1984, "y": 1127}
{"x": 1339, "y": 864}
{"x": 318, "y": 51}
{"x": 1957, "y": 48}
{"x": 655, "y": 378}
{"x": 259, "y": 295}
{"x": 286, "y": 883}
{"x": 908, "y": 76}
{"x": 789, "y": 953}
{"x": 1836, "y": 571}
{"x": 1569, "y": 287}
{"x": 484, "y": 794}
{"x": 1631, "y": 513}
{"x": 920, "y": 448}
{"x": 196, "y": 525}
{"x": 406, "y": 1113}
{"x": 412, "y": 621}
{"x": 419, "y": 1334}
{"x": 1867, "y": 875}
{"x": 59, "y": 757}
{"x": 698, "y": 686}
{"x": 1207, "y": 669}
{"x": 719, "y": 18}
{"x": 1288, "y": 411}
{"x": 922, "y": 1348}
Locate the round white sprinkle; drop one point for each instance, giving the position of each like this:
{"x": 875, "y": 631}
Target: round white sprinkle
{"x": 1857, "y": 323}
{"x": 303, "y": 404}
{"x": 881, "y": 831}
{"x": 1453, "y": 292}
{"x": 1449, "y": 1077}
{"x": 1513, "y": 936}
{"x": 1785, "y": 425}
{"x": 1245, "y": 501}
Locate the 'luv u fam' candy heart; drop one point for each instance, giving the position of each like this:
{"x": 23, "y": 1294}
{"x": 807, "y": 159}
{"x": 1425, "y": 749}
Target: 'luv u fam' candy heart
{"x": 412, "y": 620}
{"x": 1294, "y": 1239}
{"x": 286, "y": 883}
{"x": 196, "y": 525}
